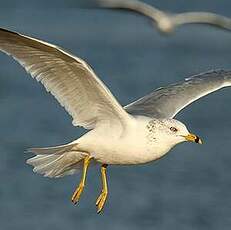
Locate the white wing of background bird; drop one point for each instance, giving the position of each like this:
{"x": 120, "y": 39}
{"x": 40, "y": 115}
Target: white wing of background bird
{"x": 68, "y": 78}
{"x": 134, "y": 5}
{"x": 167, "y": 22}
{"x": 202, "y": 18}
{"x": 166, "y": 102}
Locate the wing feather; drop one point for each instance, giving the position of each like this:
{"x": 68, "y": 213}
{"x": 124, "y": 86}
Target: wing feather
{"x": 68, "y": 78}
{"x": 166, "y": 102}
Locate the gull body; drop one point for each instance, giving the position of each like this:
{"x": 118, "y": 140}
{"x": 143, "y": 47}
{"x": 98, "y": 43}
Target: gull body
{"x": 144, "y": 139}
{"x": 165, "y": 22}
{"x": 143, "y": 131}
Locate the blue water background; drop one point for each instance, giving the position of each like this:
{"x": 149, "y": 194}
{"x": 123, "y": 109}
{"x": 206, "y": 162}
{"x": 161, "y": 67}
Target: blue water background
{"x": 189, "y": 189}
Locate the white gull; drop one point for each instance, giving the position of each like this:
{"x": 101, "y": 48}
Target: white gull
{"x": 138, "y": 133}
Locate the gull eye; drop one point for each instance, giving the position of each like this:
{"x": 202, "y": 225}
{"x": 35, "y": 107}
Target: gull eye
{"x": 173, "y": 129}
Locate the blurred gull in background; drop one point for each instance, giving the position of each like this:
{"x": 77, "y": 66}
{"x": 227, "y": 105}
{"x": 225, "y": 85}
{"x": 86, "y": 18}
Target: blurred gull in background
{"x": 167, "y": 22}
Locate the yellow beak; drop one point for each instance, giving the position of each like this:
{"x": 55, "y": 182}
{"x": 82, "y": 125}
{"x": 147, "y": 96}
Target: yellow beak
{"x": 193, "y": 138}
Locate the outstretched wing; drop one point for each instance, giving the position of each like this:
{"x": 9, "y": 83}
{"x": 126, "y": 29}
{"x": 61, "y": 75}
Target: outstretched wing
{"x": 68, "y": 78}
{"x": 202, "y": 18}
{"x": 135, "y": 6}
{"x": 166, "y": 102}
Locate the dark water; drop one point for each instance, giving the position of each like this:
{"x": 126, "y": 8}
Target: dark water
{"x": 189, "y": 189}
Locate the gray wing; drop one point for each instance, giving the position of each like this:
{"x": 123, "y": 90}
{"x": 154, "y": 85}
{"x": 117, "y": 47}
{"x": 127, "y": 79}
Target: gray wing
{"x": 68, "y": 78}
{"x": 166, "y": 102}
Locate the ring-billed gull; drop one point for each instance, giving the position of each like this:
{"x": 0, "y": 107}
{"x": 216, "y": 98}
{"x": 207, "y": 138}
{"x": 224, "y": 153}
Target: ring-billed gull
{"x": 140, "y": 132}
{"x": 167, "y": 22}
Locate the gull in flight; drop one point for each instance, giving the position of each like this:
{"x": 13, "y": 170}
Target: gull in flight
{"x": 167, "y": 22}
{"x": 138, "y": 133}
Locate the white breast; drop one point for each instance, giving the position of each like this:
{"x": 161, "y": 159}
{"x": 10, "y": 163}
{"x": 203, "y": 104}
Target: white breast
{"x": 136, "y": 145}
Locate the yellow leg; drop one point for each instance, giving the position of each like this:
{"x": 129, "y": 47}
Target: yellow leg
{"x": 76, "y": 195}
{"x": 103, "y": 196}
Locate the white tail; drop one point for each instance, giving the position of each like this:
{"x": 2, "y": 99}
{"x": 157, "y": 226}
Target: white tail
{"x": 56, "y": 161}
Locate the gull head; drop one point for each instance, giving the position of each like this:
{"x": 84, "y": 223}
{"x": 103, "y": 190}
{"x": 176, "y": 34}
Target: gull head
{"x": 171, "y": 132}
{"x": 177, "y": 132}
{"x": 165, "y": 25}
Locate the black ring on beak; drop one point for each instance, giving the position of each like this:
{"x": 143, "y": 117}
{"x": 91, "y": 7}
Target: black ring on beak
{"x": 197, "y": 139}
